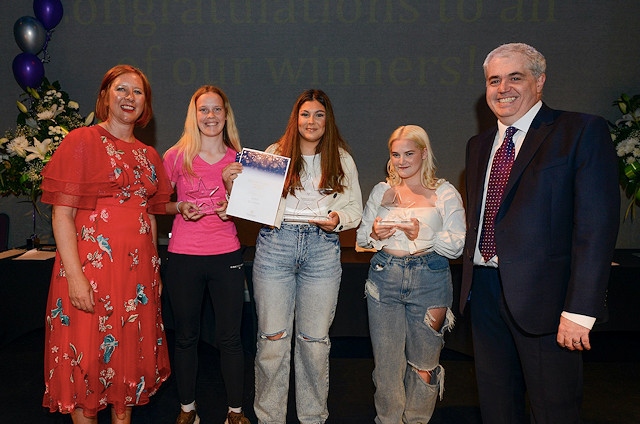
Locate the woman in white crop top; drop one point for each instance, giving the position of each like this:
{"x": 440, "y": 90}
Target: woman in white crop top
{"x": 416, "y": 223}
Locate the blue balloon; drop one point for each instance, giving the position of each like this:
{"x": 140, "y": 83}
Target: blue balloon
{"x": 49, "y": 12}
{"x": 28, "y": 70}
{"x": 30, "y": 35}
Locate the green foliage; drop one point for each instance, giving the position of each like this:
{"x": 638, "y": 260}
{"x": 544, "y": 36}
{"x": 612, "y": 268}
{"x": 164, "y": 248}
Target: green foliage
{"x": 46, "y": 116}
{"x": 625, "y": 133}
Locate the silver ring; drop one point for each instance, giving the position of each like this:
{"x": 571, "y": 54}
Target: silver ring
{"x": 578, "y": 342}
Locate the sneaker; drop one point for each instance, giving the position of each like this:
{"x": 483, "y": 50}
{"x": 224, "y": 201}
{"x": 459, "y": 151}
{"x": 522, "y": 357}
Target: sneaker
{"x": 190, "y": 417}
{"x": 236, "y": 418}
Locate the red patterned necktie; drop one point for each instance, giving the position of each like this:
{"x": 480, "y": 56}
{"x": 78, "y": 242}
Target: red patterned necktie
{"x": 500, "y": 170}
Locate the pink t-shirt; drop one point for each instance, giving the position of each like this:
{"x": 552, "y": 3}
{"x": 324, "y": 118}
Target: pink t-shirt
{"x": 209, "y": 235}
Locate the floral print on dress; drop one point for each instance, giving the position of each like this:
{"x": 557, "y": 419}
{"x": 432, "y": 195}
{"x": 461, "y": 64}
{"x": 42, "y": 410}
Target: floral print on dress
{"x": 141, "y": 298}
{"x": 135, "y": 259}
{"x": 106, "y": 377}
{"x": 103, "y": 244}
{"x": 145, "y": 228}
{"x": 59, "y": 312}
{"x": 108, "y": 346}
{"x": 118, "y": 257}
{"x": 138, "y": 170}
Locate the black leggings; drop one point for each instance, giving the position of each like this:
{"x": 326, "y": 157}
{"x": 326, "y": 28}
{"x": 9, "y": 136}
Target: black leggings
{"x": 187, "y": 277}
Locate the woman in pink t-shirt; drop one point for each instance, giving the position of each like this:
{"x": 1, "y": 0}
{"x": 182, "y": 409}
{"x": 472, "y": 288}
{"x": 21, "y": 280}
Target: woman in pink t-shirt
{"x": 204, "y": 250}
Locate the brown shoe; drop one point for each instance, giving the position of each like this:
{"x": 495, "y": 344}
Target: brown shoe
{"x": 236, "y": 418}
{"x": 190, "y": 417}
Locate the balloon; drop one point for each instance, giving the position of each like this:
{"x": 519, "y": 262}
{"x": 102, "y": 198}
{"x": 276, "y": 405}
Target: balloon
{"x": 28, "y": 70}
{"x": 49, "y": 12}
{"x": 30, "y": 35}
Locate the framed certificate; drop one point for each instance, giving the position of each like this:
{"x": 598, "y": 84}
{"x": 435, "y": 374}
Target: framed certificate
{"x": 257, "y": 190}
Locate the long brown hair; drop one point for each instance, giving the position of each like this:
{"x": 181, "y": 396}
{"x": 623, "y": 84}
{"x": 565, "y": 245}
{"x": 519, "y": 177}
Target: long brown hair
{"x": 190, "y": 142}
{"x": 329, "y": 147}
{"x": 102, "y": 103}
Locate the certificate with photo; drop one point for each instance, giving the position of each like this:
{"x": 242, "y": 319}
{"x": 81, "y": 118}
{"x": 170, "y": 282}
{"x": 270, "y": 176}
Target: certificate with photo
{"x": 257, "y": 190}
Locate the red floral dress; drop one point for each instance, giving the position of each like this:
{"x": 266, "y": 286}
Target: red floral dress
{"x": 118, "y": 354}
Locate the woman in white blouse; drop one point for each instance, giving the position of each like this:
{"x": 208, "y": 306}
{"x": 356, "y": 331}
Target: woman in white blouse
{"x": 416, "y": 224}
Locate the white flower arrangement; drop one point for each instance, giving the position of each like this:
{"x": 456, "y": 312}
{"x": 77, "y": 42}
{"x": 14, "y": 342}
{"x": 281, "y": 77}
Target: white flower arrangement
{"x": 46, "y": 117}
{"x": 625, "y": 133}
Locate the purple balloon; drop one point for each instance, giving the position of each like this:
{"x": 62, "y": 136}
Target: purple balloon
{"x": 28, "y": 70}
{"x": 49, "y": 12}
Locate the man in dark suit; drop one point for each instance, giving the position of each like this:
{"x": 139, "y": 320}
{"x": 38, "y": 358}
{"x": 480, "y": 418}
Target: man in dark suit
{"x": 538, "y": 249}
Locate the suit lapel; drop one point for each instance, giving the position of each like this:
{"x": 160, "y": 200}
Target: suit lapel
{"x": 538, "y": 132}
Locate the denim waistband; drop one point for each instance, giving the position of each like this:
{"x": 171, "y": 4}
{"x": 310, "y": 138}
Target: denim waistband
{"x": 300, "y": 228}
{"x": 409, "y": 259}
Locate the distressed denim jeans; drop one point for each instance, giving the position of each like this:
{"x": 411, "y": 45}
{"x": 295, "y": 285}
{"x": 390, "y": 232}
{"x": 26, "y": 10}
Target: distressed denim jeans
{"x": 400, "y": 292}
{"x": 296, "y": 278}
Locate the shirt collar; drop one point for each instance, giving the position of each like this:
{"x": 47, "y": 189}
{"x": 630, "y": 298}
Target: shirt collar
{"x": 523, "y": 123}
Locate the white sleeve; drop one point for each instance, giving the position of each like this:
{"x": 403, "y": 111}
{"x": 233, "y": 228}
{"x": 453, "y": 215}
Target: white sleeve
{"x": 351, "y": 212}
{"x": 449, "y": 242}
{"x": 363, "y": 234}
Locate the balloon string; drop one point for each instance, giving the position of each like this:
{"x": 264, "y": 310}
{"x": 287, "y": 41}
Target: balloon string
{"x": 46, "y": 58}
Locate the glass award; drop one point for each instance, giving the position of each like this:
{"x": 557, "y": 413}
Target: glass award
{"x": 310, "y": 206}
{"x": 397, "y": 209}
{"x": 207, "y": 199}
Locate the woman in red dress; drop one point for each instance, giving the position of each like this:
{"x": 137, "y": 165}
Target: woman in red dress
{"x": 105, "y": 342}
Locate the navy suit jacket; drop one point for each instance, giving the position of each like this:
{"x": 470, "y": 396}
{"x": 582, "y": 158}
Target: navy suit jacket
{"x": 557, "y": 226}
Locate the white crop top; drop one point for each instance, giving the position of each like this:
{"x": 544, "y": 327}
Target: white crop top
{"x": 442, "y": 228}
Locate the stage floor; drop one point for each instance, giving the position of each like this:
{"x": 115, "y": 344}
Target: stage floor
{"x": 612, "y": 372}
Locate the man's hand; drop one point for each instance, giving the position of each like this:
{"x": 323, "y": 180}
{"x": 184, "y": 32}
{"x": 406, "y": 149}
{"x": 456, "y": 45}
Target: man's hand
{"x": 572, "y": 336}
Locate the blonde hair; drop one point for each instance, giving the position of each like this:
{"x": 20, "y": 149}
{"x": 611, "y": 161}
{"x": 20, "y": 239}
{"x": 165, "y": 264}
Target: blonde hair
{"x": 190, "y": 142}
{"x": 428, "y": 170}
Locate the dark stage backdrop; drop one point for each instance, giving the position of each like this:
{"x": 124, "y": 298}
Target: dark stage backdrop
{"x": 384, "y": 63}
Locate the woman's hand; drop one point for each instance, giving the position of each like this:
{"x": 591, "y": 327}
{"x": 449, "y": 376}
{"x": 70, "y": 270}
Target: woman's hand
{"x": 222, "y": 210}
{"x": 64, "y": 232}
{"x": 189, "y": 211}
{"x": 380, "y": 231}
{"x": 81, "y": 293}
{"x": 329, "y": 224}
{"x": 410, "y": 229}
{"x": 230, "y": 173}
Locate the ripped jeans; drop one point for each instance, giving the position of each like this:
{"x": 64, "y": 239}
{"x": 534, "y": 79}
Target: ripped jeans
{"x": 401, "y": 292}
{"x": 296, "y": 273}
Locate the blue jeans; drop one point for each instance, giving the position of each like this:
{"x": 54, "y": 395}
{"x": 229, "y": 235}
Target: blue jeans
{"x": 401, "y": 292}
{"x": 296, "y": 277}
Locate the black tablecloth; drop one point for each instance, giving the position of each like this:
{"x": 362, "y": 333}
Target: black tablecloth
{"x": 24, "y": 288}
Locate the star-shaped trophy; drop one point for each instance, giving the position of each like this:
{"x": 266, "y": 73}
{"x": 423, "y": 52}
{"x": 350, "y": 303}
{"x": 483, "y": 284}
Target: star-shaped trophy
{"x": 309, "y": 206}
{"x": 397, "y": 208}
{"x": 204, "y": 197}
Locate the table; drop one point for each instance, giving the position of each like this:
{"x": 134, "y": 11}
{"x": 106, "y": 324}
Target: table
{"x": 623, "y": 293}
{"x": 24, "y": 288}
